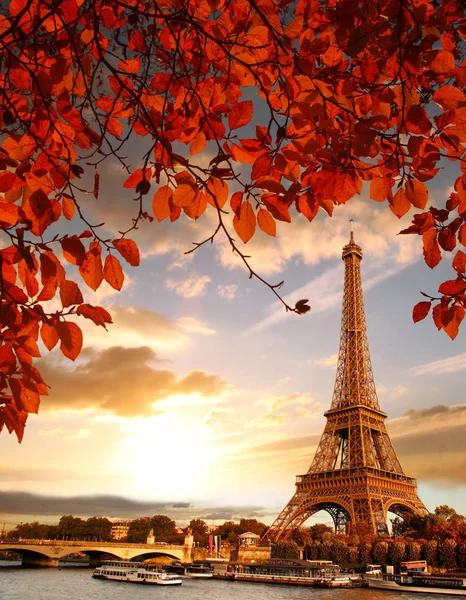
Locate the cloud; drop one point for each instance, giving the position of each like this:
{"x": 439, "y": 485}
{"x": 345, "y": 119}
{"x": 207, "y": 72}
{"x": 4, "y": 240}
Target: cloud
{"x": 440, "y": 367}
{"x": 51, "y": 508}
{"x": 400, "y": 390}
{"x": 194, "y": 285}
{"x": 329, "y": 361}
{"x": 122, "y": 381}
{"x": 194, "y": 325}
{"x": 268, "y": 420}
{"x": 81, "y": 434}
{"x": 227, "y": 291}
{"x": 217, "y": 415}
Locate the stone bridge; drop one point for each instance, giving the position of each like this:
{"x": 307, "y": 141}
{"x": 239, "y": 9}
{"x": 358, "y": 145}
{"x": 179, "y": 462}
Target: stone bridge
{"x": 47, "y": 553}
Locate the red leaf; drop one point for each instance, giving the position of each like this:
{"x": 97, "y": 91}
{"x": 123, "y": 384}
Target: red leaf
{"x": 459, "y": 262}
{"x": 97, "y": 314}
{"x": 71, "y": 339}
{"x": 10, "y": 181}
{"x": 420, "y": 311}
{"x": 380, "y": 187}
{"x": 184, "y": 195}
{"x": 451, "y": 320}
{"x": 161, "y": 203}
{"x": 217, "y": 192}
{"x": 135, "y": 178}
{"x": 49, "y": 336}
{"x": 128, "y": 250}
{"x": 266, "y": 222}
{"x": 308, "y": 206}
{"x": 417, "y": 193}
{"x": 432, "y": 255}
{"x": 70, "y": 293}
{"x": 113, "y": 272}
{"x": 449, "y": 97}
{"x": 400, "y": 204}
{"x": 245, "y": 223}
{"x": 73, "y": 250}
{"x": 130, "y": 65}
{"x": 271, "y": 185}
{"x": 240, "y": 114}
{"x": 441, "y": 61}
{"x": 91, "y": 268}
{"x": 453, "y": 287}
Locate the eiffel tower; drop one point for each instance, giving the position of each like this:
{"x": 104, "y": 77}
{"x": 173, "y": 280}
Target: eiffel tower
{"x": 355, "y": 475}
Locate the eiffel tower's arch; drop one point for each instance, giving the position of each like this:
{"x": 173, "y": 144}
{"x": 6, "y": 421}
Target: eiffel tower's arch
{"x": 355, "y": 466}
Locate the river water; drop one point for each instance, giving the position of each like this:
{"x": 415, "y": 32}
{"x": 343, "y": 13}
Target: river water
{"x": 17, "y": 583}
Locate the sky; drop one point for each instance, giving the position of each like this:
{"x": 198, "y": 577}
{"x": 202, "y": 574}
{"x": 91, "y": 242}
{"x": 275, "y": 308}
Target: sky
{"x": 205, "y": 398}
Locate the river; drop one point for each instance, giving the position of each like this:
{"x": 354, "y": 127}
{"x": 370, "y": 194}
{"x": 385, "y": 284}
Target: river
{"x": 17, "y": 583}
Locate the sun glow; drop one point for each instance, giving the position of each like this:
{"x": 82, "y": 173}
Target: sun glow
{"x": 166, "y": 456}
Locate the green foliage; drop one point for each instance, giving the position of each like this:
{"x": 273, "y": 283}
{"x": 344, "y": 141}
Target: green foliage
{"x": 353, "y": 555}
{"x": 447, "y": 553}
{"x": 365, "y": 553}
{"x": 318, "y": 530}
{"x": 413, "y": 551}
{"x": 431, "y": 552}
{"x": 325, "y": 551}
{"x": 164, "y": 528}
{"x": 252, "y": 526}
{"x": 138, "y": 531}
{"x": 380, "y": 553}
{"x": 339, "y": 552}
{"x": 199, "y": 529}
{"x": 286, "y": 549}
{"x": 71, "y": 528}
{"x": 396, "y": 552}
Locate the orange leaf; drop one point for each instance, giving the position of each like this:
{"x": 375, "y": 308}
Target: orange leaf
{"x": 68, "y": 207}
{"x": 137, "y": 177}
{"x": 441, "y": 61}
{"x": 113, "y": 272}
{"x": 432, "y": 255}
{"x": 420, "y": 311}
{"x": 161, "y": 203}
{"x": 198, "y": 144}
{"x": 184, "y": 195}
{"x": 128, "y": 250}
{"x": 451, "y": 320}
{"x": 91, "y": 268}
{"x": 130, "y": 65}
{"x": 10, "y": 181}
{"x": 97, "y": 314}
{"x": 266, "y": 222}
{"x": 459, "y": 262}
{"x": 73, "y": 250}
{"x": 197, "y": 208}
{"x": 218, "y": 189}
{"x": 462, "y": 234}
{"x": 70, "y": 293}
{"x": 417, "y": 193}
{"x": 245, "y": 224}
{"x": 449, "y": 97}
{"x": 49, "y": 336}
{"x": 71, "y": 339}
{"x": 308, "y": 206}
{"x": 240, "y": 114}
{"x": 380, "y": 187}
{"x": 400, "y": 203}
{"x": 9, "y": 213}
{"x": 271, "y": 185}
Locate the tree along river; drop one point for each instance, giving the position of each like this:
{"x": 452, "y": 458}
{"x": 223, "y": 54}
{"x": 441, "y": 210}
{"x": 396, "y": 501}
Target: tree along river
{"x": 17, "y": 583}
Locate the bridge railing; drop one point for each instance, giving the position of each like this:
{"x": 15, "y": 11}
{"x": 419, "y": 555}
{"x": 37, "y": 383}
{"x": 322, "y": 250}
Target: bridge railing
{"x": 39, "y": 542}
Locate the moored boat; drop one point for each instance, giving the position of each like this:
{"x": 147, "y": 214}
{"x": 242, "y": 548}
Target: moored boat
{"x": 426, "y": 584}
{"x": 131, "y": 572}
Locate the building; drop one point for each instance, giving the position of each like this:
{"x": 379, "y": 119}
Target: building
{"x": 119, "y": 530}
{"x": 248, "y": 539}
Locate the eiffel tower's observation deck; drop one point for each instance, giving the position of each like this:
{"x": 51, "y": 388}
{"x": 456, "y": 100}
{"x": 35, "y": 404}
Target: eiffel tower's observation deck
{"x": 355, "y": 474}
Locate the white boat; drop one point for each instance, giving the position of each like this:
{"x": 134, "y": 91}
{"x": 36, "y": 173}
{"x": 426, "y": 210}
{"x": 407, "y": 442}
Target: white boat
{"x": 337, "y": 581}
{"x": 426, "y": 584}
{"x": 198, "y": 572}
{"x": 130, "y": 572}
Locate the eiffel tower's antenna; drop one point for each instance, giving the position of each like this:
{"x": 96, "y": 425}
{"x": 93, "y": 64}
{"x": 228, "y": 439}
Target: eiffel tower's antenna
{"x": 355, "y": 474}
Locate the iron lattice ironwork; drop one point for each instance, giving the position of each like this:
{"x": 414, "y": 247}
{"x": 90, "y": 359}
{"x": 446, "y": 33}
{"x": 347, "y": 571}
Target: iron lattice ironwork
{"x": 355, "y": 475}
